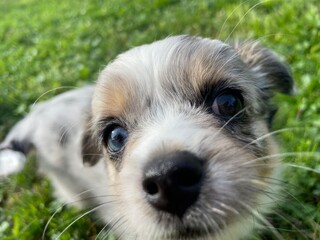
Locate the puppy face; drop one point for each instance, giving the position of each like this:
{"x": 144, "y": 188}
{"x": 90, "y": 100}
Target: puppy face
{"x": 182, "y": 123}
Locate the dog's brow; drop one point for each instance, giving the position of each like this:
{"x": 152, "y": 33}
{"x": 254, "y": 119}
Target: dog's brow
{"x": 111, "y": 99}
{"x": 208, "y": 89}
{"x": 104, "y": 121}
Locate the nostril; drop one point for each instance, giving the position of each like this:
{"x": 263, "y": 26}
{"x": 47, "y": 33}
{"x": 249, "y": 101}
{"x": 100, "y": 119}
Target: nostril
{"x": 150, "y": 187}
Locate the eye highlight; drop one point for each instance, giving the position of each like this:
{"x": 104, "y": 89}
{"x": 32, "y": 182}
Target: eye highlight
{"x": 115, "y": 138}
{"x": 227, "y": 104}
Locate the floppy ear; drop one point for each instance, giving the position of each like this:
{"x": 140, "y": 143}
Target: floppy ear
{"x": 275, "y": 74}
{"x": 90, "y": 150}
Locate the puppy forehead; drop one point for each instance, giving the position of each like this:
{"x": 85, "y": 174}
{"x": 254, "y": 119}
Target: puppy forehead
{"x": 177, "y": 67}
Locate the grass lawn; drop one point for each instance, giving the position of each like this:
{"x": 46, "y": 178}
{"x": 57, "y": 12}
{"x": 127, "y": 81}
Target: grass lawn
{"x": 49, "y": 44}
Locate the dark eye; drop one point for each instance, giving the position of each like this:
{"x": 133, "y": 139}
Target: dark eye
{"x": 227, "y": 104}
{"x": 115, "y": 138}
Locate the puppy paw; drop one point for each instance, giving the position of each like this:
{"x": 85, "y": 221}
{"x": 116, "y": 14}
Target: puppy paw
{"x": 11, "y": 162}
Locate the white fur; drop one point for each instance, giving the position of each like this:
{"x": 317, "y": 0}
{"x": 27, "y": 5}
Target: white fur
{"x": 11, "y": 162}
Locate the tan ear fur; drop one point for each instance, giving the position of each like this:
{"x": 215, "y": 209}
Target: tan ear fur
{"x": 266, "y": 64}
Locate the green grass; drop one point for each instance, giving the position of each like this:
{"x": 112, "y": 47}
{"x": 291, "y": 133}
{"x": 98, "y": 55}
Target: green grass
{"x": 48, "y": 44}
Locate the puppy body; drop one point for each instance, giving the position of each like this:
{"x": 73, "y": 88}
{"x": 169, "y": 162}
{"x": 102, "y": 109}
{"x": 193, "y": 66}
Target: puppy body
{"x": 191, "y": 110}
{"x": 55, "y": 129}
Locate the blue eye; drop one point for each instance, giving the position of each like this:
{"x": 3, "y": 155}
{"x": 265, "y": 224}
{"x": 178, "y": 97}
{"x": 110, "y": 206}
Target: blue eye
{"x": 115, "y": 138}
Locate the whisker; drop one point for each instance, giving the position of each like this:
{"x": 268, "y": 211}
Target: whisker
{"x": 229, "y": 120}
{"x": 81, "y": 216}
{"x": 287, "y": 220}
{"x": 70, "y": 202}
{"x": 281, "y": 182}
{"x": 205, "y": 225}
{"x": 228, "y": 208}
{"x": 287, "y": 154}
{"x": 302, "y": 167}
{"x": 102, "y": 232}
{"x": 244, "y": 15}
{"x": 51, "y": 90}
{"x": 268, "y": 135}
{"x": 218, "y": 211}
{"x": 115, "y": 219}
{"x": 230, "y": 15}
{"x": 263, "y": 220}
{"x": 118, "y": 224}
{"x": 268, "y": 192}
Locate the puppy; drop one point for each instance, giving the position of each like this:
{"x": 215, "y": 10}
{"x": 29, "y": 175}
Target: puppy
{"x": 173, "y": 141}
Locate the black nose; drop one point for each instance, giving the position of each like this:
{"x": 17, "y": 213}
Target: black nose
{"x": 172, "y": 182}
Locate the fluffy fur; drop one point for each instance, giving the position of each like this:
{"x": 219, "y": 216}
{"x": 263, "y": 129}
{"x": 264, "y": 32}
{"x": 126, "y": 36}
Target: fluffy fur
{"x": 164, "y": 95}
